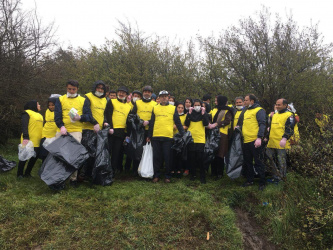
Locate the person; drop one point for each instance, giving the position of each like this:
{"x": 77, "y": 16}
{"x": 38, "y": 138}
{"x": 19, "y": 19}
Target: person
{"x": 239, "y": 105}
{"x": 222, "y": 117}
{"x": 136, "y": 95}
{"x": 32, "y": 126}
{"x": 116, "y": 113}
{"x": 65, "y": 123}
{"x": 112, "y": 94}
{"x": 322, "y": 121}
{"x": 97, "y": 103}
{"x": 253, "y": 126}
{"x": 177, "y": 161}
{"x": 196, "y": 121}
{"x": 172, "y": 100}
{"x": 295, "y": 138}
{"x": 50, "y": 128}
{"x": 188, "y": 104}
{"x": 282, "y": 128}
{"x": 206, "y": 98}
{"x": 143, "y": 108}
{"x": 161, "y": 134}
{"x": 153, "y": 97}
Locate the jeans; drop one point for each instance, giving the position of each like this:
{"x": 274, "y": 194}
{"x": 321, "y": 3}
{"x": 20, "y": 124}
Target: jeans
{"x": 161, "y": 152}
{"x": 278, "y": 161}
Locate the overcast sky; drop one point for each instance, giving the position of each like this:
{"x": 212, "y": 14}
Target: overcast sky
{"x": 80, "y": 22}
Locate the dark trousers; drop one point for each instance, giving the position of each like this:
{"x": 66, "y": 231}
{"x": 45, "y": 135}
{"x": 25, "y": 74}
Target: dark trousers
{"x": 177, "y": 161}
{"x": 217, "y": 166}
{"x": 252, "y": 153}
{"x": 161, "y": 151}
{"x": 116, "y": 145}
{"x": 31, "y": 164}
{"x": 196, "y": 158}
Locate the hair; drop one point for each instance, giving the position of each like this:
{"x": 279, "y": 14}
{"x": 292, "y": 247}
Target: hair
{"x": 284, "y": 101}
{"x": 206, "y": 97}
{"x": 197, "y": 100}
{"x": 252, "y": 97}
{"x": 239, "y": 97}
{"x": 180, "y": 103}
{"x": 112, "y": 91}
{"x": 172, "y": 98}
{"x": 73, "y": 83}
{"x": 190, "y": 99}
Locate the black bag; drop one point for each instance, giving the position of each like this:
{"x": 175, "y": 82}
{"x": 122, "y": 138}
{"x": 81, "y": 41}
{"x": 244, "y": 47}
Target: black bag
{"x": 235, "y": 156}
{"x": 212, "y": 145}
{"x": 89, "y": 139}
{"x": 137, "y": 137}
{"x": 102, "y": 171}
{"x": 181, "y": 142}
{"x": 6, "y": 165}
{"x": 69, "y": 150}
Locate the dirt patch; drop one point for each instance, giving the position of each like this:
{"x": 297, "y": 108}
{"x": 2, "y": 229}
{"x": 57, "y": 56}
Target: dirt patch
{"x": 252, "y": 239}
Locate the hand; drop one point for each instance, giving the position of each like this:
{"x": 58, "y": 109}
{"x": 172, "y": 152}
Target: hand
{"x": 77, "y": 117}
{"x": 174, "y": 126}
{"x": 211, "y": 126}
{"x": 283, "y": 142}
{"x": 97, "y": 128}
{"x": 106, "y": 124}
{"x": 111, "y": 131}
{"x": 129, "y": 98}
{"x": 271, "y": 114}
{"x": 25, "y": 142}
{"x": 203, "y": 110}
{"x": 190, "y": 110}
{"x": 145, "y": 123}
{"x": 148, "y": 139}
{"x": 185, "y": 128}
{"x": 257, "y": 143}
{"x": 265, "y": 139}
{"x": 63, "y": 130}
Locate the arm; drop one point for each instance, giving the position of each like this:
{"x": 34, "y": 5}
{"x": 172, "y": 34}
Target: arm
{"x": 261, "y": 118}
{"x": 58, "y": 114}
{"x": 151, "y": 125}
{"x": 178, "y": 123}
{"x": 187, "y": 121}
{"x": 134, "y": 109}
{"x": 289, "y": 127}
{"x": 205, "y": 120}
{"x": 87, "y": 112}
{"x": 25, "y": 124}
{"x": 108, "y": 113}
{"x": 226, "y": 121}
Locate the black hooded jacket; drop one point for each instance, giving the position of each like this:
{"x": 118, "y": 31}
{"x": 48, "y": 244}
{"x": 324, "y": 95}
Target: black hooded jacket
{"x": 31, "y": 105}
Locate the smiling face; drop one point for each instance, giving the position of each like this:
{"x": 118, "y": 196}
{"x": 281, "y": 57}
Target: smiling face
{"x": 279, "y": 105}
{"x": 51, "y": 106}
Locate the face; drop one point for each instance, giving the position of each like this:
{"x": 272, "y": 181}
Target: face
{"x": 215, "y": 101}
{"x": 100, "y": 88}
{"x": 71, "y": 89}
{"x": 51, "y": 106}
{"x": 113, "y": 96}
{"x": 122, "y": 94}
{"x": 197, "y": 104}
{"x": 136, "y": 95}
{"x": 188, "y": 103}
{"x": 247, "y": 101}
{"x": 147, "y": 94}
{"x": 38, "y": 106}
{"x": 180, "y": 109}
{"x": 158, "y": 100}
{"x": 279, "y": 105}
{"x": 164, "y": 99}
{"x": 239, "y": 102}
{"x": 171, "y": 100}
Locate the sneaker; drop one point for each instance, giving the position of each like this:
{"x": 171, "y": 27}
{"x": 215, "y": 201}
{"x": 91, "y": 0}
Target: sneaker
{"x": 262, "y": 187}
{"x": 155, "y": 180}
{"x": 247, "y": 184}
{"x": 186, "y": 172}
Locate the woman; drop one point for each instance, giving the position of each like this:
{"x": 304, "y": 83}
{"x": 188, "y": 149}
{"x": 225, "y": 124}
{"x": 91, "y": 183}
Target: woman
{"x": 196, "y": 121}
{"x": 177, "y": 158}
{"x": 172, "y": 100}
{"x": 32, "y": 126}
{"x": 188, "y": 104}
{"x": 222, "y": 118}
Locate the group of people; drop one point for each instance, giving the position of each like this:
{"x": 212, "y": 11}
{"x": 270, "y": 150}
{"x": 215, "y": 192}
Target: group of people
{"x": 163, "y": 117}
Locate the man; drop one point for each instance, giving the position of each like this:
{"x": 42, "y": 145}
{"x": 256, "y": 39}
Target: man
{"x": 97, "y": 102}
{"x": 112, "y": 94}
{"x": 74, "y": 125}
{"x": 144, "y": 108}
{"x": 206, "y": 98}
{"x": 163, "y": 117}
{"x": 116, "y": 113}
{"x": 253, "y": 128}
{"x": 282, "y": 128}
{"x": 239, "y": 105}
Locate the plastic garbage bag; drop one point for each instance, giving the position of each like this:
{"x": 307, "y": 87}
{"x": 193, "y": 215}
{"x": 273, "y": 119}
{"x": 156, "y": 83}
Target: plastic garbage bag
{"x": 181, "y": 142}
{"x": 6, "y": 165}
{"x": 137, "y": 137}
{"x": 212, "y": 144}
{"x": 48, "y": 141}
{"x": 146, "y": 167}
{"x": 54, "y": 171}
{"x": 89, "y": 139}
{"x": 26, "y": 152}
{"x": 102, "y": 171}
{"x": 69, "y": 150}
{"x": 235, "y": 156}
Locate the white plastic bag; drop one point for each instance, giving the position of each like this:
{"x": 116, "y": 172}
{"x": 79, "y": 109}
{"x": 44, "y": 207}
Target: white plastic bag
{"x": 26, "y": 152}
{"x": 146, "y": 168}
{"x": 72, "y": 113}
{"x": 48, "y": 141}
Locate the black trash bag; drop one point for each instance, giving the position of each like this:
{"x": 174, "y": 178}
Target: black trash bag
{"x": 6, "y": 165}
{"x": 89, "y": 141}
{"x": 235, "y": 156}
{"x": 137, "y": 137}
{"x": 69, "y": 150}
{"x": 102, "y": 171}
{"x": 55, "y": 172}
{"x": 42, "y": 151}
{"x": 212, "y": 144}
{"x": 181, "y": 142}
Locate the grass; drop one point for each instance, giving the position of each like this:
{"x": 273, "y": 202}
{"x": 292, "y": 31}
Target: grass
{"x": 134, "y": 213}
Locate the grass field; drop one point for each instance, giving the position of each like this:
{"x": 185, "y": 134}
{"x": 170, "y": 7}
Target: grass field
{"x": 132, "y": 213}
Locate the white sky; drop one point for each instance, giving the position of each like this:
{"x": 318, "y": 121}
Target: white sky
{"x": 80, "y": 22}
